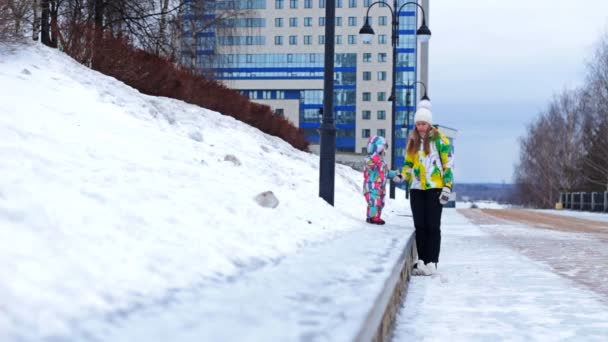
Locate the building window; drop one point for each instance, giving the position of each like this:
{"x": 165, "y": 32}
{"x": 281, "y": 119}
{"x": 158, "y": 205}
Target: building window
{"x": 338, "y": 3}
{"x": 307, "y": 21}
{"x": 278, "y": 4}
{"x": 352, "y": 21}
{"x": 278, "y": 40}
{"x": 290, "y": 58}
{"x": 381, "y": 39}
{"x": 382, "y": 57}
{"x": 382, "y": 21}
{"x": 321, "y": 21}
{"x": 381, "y": 132}
{"x": 266, "y": 94}
{"x": 352, "y": 39}
{"x": 367, "y": 114}
{"x": 279, "y": 112}
{"x": 352, "y": 3}
{"x": 367, "y": 96}
{"x": 366, "y": 3}
{"x": 293, "y": 3}
{"x": 278, "y": 22}
{"x": 280, "y": 94}
{"x": 307, "y": 3}
{"x": 381, "y": 115}
{"x": 365, "y": 133}
{"x": 293, "y": 40}
{"x": 338, "y": 21}
{"x": 253, "y": 94}
{"x": 307, "y": 40}
{"x": 321, "y": 3}
{"x": 367, "y": 57}
{"x": 367, "y": 75}
{"x": 364, "y": 150}
{"x": 338, "y": 40}
{"x": 381, "y": 75}
{"x": 381, "y": 96}
{"x": 321, "y": 40}
{"x": 249, "y": 58}
{"x": 293, "y": 22}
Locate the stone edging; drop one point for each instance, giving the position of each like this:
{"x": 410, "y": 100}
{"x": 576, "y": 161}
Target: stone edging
{"x": 379, "y": 322}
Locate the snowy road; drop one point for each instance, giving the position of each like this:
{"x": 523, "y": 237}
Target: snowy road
{"x": 490, "y": 290}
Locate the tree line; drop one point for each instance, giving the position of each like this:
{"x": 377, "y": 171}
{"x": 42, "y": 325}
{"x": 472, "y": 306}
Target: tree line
{"x": 168, "y": 28}
{"x": 565, "y": 149}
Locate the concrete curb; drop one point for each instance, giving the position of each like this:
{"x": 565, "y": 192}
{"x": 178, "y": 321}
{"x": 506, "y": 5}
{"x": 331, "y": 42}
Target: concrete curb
{"x": 379, "y": 322}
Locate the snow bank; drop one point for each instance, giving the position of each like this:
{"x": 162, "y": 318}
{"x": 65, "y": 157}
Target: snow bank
{"x": 109, "y": 197}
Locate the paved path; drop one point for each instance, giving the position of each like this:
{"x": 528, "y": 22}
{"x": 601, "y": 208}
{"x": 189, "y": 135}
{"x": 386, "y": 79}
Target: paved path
{"x": 495, "y": 284}
{"x": 574, "y": 248}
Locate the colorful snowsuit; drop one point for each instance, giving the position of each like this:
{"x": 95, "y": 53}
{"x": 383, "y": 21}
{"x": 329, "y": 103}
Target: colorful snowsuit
{"x": 432, "y": 171}
{"x": 375, "y": 176}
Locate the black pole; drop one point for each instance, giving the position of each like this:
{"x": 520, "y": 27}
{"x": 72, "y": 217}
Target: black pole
{"x": 394, "y": 42}
{"x": 328, "y": 129}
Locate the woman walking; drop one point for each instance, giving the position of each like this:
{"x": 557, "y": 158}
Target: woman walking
{"x": 428, "y": 171}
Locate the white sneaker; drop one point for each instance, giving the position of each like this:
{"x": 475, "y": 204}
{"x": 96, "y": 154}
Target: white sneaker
{"x": 432, "y": 268}
{"x": 421, "y": 269}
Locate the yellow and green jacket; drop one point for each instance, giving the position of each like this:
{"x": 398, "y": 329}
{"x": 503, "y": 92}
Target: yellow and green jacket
{"x": 431, "y": 171}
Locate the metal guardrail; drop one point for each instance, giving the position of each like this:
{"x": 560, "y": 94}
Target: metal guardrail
{"x": 585, "y": 201}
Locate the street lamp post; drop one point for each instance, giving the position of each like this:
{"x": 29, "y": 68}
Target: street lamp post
{"x": 424, "y": 97}
{"x": 327, "y": 153}
{"x": 423, "y": 34}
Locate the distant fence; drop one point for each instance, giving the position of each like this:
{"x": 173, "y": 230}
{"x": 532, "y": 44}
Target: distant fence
{"x": 586, "y": 201}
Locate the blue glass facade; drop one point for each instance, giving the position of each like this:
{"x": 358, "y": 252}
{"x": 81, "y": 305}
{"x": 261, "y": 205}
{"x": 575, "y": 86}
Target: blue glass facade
{"x": 246, "y": 60}
{"x": 301, "y": 66}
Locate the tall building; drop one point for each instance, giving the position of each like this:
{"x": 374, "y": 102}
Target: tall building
{"x": 276, "y": 57}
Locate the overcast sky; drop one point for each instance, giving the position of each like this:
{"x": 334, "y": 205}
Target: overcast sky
{"x": 495, "y": 64}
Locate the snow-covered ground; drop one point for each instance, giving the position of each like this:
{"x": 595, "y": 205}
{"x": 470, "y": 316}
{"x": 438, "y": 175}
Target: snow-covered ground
{"x": 113, "y": 203}
{"x": 488, "y": 291}
{"x": 126, "y": 217}
{"x": 481, "y": 205}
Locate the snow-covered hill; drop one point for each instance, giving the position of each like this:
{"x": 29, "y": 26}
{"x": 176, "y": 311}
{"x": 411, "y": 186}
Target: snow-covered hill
{"x": 108, "y": 196}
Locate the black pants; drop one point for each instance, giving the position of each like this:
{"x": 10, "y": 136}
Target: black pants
{"x": 426, "y": 211}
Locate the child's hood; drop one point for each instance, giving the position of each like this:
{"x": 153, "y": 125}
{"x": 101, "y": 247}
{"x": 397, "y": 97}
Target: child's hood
{"x": 375, "y": 146}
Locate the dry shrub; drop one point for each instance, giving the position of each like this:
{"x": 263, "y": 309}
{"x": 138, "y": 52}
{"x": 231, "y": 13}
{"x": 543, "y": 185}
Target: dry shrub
{"x": 157, "y": 76}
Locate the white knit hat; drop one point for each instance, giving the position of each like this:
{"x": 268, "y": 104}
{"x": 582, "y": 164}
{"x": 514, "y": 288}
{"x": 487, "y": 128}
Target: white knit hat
{"x": 423, "y": 115}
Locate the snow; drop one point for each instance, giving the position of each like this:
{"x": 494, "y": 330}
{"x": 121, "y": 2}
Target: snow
{"x": 126, "y": 217}
{"x": 481, "y": 205}
{"x": 112, "y": 201}
{"x": 487, "y": 290}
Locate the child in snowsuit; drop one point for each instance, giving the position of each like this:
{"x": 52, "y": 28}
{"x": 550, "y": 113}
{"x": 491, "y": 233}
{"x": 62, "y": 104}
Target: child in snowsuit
{"x": 375, "y": 177}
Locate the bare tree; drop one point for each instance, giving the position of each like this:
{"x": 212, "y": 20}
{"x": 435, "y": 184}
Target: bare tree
{"x": 15, "y": 15}
{"x": 198, "y": 47}
{"x": 35, "y": 19}
{"x": 595, "y": 162}
{"x": 566, "y": 149}
{"x": 550, "y": 152}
